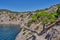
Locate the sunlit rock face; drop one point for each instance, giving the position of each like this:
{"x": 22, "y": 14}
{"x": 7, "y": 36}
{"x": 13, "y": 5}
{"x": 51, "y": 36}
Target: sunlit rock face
{"x": 8, "y": 32}
{"x": 54, "y": 34}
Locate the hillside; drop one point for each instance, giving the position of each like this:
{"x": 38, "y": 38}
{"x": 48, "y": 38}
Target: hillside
{"x": 32, "y": 23}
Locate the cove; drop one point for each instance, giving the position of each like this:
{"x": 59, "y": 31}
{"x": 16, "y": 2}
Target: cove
{"x": 9, "y": 32}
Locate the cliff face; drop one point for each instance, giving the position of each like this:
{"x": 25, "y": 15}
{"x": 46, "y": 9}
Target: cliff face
{"x": 18, "y": 17}
{"x": 22, "y": 18}
{"x": 52, "y": 8}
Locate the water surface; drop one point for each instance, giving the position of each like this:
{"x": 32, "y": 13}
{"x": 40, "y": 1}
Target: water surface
{"x": 9, "y": 32}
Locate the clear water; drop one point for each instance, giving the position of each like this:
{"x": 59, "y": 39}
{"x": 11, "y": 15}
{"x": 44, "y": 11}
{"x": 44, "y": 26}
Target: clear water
{"x": 9, "y": 32}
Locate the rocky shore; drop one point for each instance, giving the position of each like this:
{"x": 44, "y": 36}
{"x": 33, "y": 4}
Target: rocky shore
{"x": 30, "y": 31}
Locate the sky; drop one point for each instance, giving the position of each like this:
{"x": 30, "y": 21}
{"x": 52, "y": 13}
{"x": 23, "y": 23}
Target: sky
{"x": 26, "y": 5}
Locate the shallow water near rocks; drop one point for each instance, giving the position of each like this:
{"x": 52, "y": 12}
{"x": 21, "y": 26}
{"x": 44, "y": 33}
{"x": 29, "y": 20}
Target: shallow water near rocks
{"x": 9, "y": 32}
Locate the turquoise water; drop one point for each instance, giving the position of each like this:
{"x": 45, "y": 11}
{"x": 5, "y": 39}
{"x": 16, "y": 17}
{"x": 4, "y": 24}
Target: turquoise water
{"x": 9, "y": 32}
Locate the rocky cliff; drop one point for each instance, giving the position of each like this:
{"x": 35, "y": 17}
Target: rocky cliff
{"x": 28, "y": 32}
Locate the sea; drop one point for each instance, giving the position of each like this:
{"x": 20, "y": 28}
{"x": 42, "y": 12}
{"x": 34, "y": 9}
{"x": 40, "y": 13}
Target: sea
{"x": 9, "y": 31}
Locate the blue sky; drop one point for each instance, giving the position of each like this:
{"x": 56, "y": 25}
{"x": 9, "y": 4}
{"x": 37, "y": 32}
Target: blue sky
{"x": 26, "y": 5}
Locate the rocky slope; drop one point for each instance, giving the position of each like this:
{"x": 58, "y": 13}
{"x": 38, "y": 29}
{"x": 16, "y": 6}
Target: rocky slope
{"x": 30, "y": 32}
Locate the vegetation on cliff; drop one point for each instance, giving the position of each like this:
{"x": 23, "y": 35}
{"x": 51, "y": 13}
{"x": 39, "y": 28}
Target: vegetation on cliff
{"x": 31, "y": 18}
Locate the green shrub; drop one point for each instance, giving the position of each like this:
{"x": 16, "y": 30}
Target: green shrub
{"x": 58, "y": 11}
{"x": 45, "y": 17}
{"x": 35, "y": 16}
{"x": 24, "y": 33}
